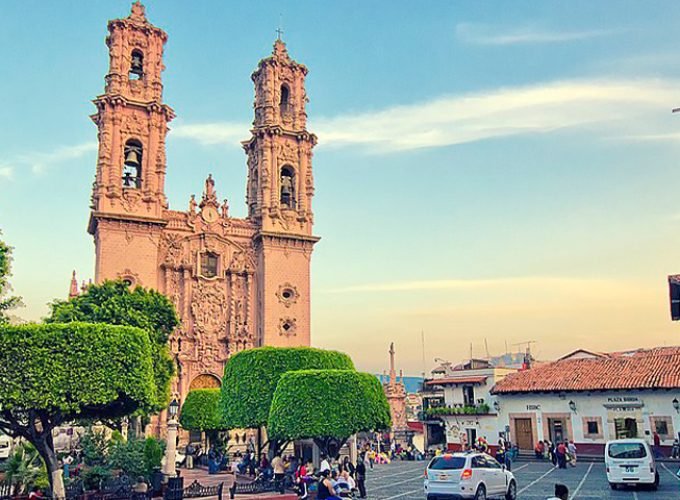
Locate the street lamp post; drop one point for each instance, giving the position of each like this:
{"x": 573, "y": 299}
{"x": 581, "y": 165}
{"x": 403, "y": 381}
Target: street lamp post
{"x": 171, "y": 442}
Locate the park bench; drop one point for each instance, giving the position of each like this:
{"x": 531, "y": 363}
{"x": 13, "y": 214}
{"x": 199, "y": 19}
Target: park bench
{"x": 259, "y": 485}
{"x": 197, "y": 490}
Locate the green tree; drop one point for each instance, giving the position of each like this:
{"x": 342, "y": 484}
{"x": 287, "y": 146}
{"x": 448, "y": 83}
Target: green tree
{"x": 6, "y": 303}
{"x": 201, "y": 411}
{"x": 328, "y": 406}
{"x": 56, "y": 373}
{"x": 114, "y": 303}
{"x": 250, "y": 379}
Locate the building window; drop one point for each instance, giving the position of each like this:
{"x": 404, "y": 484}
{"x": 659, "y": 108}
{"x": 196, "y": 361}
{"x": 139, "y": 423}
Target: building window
{"x": 209, "y": 264}
{"x": 136, "y": 65}
{"x": 287, "y": 187}
{"x": 468, "y": 395}
{"x": 592, "y": 427}
{"x": 132, "y": 164}
{"x": 284, "y": 104}
{"x": 662, "y": 426}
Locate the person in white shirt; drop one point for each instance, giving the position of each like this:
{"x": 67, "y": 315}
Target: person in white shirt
{"x": 325, "y": 465}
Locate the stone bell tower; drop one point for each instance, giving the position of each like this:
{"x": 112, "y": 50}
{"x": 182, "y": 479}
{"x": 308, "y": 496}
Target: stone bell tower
{"x": 279, "y": 197}
{"x": 128, "y": 195}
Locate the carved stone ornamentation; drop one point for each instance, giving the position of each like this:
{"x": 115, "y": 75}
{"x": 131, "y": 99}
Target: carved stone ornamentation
{"x": 208, "y": 307}
{"x": 287, "y": 294}
{"x": 288, "y": 327}
{"x": 130, "y": 277}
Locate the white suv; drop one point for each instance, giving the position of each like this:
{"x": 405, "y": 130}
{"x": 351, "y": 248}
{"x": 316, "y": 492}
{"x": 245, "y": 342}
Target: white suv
{"x": 468, "y": 475}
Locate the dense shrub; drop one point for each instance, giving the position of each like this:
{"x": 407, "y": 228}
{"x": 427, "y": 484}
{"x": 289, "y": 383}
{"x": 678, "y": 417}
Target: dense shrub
{"x": 327, "y": 405}
{"x": 201, "y": 411}
{"x": 115, "y": 303}
{"x": 67, "y": 372}
{"x": 250, "y": 379}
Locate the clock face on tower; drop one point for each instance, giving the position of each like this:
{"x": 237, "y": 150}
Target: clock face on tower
{"x": 209, "y": 214}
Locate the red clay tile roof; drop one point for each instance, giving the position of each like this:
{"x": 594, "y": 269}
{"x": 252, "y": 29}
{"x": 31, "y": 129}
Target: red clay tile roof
{"x": 657, "y": 368}
{"x": 456, "y": 380}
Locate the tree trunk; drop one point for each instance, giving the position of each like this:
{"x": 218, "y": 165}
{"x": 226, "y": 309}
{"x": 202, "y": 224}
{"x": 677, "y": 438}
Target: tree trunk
{"x": 135, "y": 428}
{"x": 45, "y": 446}
{"x": 330, "y": 446}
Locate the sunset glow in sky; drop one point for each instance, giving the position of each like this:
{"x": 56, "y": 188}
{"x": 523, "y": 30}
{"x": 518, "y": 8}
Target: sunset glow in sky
{"x": 482, "y": 172}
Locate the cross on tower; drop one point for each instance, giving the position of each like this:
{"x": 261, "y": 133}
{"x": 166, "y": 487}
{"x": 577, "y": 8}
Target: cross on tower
{"x": 279, "y": 32}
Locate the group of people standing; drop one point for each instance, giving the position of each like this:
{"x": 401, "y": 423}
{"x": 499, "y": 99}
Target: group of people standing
{"x": 559, "y": 453}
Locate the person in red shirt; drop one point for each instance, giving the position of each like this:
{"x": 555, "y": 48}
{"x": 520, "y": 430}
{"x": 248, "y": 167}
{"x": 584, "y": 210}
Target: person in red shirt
{"x": 561, "y": 452}
{"x": 657, "y": 445}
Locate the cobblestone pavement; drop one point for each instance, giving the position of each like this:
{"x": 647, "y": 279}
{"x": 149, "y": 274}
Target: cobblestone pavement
{"x": 404, "y": 480}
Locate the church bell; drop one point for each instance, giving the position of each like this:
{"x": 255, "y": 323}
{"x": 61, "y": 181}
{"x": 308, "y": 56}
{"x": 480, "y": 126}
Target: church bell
{"x": 132, "y": 159}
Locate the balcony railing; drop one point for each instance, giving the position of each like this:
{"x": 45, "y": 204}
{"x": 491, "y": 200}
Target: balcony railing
{"x": 480, "y": 409}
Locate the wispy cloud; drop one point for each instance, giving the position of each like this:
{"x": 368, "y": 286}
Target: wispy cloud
{"x": 620, "y": 108}
{"x": 40, "y": 162}
{"x": 515, "y": 283}
{"x": 5, "y": 172}
{"x": 605, "y": 105}
{"x": 212, "y": 133}
{"x": 482, "y": 34}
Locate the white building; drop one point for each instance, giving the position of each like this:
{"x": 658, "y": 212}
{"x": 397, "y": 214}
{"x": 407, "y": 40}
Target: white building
{"x": 593, "y": 397}
{"x": 466, "y": 411}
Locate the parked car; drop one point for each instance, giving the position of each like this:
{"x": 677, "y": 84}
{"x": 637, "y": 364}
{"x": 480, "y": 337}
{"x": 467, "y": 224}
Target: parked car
{"x": 470, "y": 475}
{"x": 630, "y": 461}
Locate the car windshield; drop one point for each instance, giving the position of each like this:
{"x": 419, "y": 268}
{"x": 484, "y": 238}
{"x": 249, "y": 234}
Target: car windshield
{"x": 627, "y": 450}
{"x": 447, "y": 463}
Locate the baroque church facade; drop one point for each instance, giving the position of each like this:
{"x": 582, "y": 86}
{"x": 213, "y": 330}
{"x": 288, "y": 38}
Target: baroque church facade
{"x": 237, "y": 283}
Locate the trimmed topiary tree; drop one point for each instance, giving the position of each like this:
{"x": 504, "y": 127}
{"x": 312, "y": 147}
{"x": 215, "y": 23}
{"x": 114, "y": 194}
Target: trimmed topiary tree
{"x": 201, "y": 411}
{"x": 251, "y": 376}
{"x": 116, "y": 303}
{"x": 57, "y": 373}
{"x": 328, "y": 406}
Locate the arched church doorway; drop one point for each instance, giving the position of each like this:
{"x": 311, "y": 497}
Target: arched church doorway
{"x": 205, "y": 381}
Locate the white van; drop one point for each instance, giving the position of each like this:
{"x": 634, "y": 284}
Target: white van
{"x": 5, "y": 446}
{"x": 630, "y": 461}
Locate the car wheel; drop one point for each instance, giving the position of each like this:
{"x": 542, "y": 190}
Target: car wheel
{"x": 655, "y": 484}
{"x": 481, "y": 493}
{"x": 512, "y": 491}
{"x": 614, "y": 486}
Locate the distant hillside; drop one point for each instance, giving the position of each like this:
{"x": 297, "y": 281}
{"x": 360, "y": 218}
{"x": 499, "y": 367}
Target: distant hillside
{"x": 412, "y": 384}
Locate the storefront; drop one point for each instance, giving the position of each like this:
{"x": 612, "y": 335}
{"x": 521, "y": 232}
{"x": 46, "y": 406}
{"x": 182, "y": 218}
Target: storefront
{"x": 582, "y": 399}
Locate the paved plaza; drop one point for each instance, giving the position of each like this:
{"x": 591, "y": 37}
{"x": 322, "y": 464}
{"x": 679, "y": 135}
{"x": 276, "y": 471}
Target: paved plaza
{"x": 588, "y": 481}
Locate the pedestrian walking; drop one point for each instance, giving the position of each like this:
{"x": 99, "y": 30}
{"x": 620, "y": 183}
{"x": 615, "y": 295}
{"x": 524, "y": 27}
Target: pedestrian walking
{"x": 571, "y": 448}
{"x": 279, "y": 472}
{"x": 361, "y": 476}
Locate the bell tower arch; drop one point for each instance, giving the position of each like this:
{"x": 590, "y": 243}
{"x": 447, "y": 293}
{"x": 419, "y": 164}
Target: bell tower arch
{"x": 279, "y": 197}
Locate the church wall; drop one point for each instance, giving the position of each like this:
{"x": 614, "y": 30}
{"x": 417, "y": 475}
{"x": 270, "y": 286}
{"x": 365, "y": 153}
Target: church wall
{"x": 285, "y": 268}
{"x": 130, "y": 250}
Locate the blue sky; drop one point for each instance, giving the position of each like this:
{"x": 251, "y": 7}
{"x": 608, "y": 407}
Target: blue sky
{"x": 483, "y": 172}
